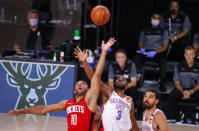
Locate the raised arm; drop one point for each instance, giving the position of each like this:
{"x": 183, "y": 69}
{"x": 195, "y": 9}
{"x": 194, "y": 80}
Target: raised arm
{"x": 39, "y": 110}
{"x": 93, "y": 92}
{"x": 83, "y": 58}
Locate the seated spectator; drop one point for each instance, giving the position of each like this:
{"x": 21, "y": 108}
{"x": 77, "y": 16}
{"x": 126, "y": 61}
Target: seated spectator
{"x": 123, "y": 68}
{"x": 196, "y": 43}
{"x": 153, "y": 43}
{"x": 178, "y": 25}
{"x": 186, "y": 80}
{"x": 35, "y": 31}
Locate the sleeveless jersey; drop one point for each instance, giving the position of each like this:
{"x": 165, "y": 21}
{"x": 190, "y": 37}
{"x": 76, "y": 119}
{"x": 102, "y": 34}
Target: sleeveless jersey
{"x": 79, "y": 117}
{"x": 147, "y": 124}
{"x": 116, "y": 113}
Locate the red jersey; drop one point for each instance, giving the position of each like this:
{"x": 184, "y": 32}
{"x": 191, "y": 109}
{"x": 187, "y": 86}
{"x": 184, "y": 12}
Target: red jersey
{"x": 101, "y": 128}
{"x": 79, "y": 117}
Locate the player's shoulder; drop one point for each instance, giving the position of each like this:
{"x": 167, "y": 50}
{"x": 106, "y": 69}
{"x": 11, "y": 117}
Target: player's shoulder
{"x": 129, "y": 100}
{"x": 159, "y": 115}
{"x": 66, "y": 102}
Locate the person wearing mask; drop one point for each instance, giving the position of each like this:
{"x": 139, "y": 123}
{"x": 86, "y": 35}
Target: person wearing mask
{"x": 153, "y": 44}
{"x": 186, "y": 80}
{"x": 178, "y": 25}
{"x": 34, "y": 34}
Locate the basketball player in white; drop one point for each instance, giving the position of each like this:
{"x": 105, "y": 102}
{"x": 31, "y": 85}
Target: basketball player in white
{"x": 118, "y": 109}
{"x": 153, "y": 118}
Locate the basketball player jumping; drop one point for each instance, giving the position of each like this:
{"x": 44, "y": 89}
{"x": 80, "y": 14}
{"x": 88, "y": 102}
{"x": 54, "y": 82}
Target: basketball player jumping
{"x": 153, "y": 118}
{"x": 80, "y": 110}
{"x": 118, "y": 110}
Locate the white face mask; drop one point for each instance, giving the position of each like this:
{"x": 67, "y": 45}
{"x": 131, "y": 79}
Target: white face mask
{"x": 33, "y": 21}
{"x": 155, "y": 22}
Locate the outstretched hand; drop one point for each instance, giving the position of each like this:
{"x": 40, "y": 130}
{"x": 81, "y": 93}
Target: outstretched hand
{"x": 80, "y": 54}
{"x": 108, "y": 45}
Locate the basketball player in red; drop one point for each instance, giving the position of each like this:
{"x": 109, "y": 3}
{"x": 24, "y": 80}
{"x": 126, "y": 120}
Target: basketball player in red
{"x": 153, "y": 118}
{"x": 81, "y": 109}
{"x": 105, "y": 90}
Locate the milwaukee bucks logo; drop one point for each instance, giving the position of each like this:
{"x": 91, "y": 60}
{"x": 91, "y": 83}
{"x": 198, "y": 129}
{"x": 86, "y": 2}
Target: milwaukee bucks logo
{"x": 32, "y": 91}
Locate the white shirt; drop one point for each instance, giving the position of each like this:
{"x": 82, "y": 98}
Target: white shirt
{"x": 116, "y": 113}
{"x": 147, "y": 124}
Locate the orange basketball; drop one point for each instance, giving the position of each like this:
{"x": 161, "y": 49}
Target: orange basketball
{"x": 100, "y": 15}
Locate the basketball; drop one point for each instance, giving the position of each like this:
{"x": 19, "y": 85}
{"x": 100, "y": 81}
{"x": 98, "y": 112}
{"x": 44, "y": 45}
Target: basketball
{"x": 100, "y": 15}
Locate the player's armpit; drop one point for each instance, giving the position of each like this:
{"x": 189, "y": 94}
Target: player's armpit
{"x": 133, "y": 120}
{"x": 161, "y": 121}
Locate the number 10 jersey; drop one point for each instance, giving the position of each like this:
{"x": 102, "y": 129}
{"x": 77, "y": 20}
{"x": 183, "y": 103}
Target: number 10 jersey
{"x": 79, "y": 117}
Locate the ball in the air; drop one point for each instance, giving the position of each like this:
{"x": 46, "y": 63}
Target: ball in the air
{"x": 100, "y": 15}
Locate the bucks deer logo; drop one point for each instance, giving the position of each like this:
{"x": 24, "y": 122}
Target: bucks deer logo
{"x": 32, "y": 91}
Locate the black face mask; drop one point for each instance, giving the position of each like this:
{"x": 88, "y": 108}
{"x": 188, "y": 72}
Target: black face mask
{"x": 173, "y": 11}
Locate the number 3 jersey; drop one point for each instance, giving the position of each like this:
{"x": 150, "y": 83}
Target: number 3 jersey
{"x": 116, "y": 113}
{"x": 79, "y": 117}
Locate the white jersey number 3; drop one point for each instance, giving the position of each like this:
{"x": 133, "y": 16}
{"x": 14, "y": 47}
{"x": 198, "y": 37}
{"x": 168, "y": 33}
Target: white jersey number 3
{"x": 119, "y": 115}
{"x": 73, "y": 119}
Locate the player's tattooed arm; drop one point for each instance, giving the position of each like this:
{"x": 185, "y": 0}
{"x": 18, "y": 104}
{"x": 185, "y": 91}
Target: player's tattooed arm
{"x": 39, "y": 110}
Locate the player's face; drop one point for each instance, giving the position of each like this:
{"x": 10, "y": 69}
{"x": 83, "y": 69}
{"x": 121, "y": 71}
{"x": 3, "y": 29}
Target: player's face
{"x": 189, "y": 56}
{"x": 121, "y": 58}
{"x": 121, "y": 82}
{"x": 149, "y": 100}
{"x": 81, "y": 88}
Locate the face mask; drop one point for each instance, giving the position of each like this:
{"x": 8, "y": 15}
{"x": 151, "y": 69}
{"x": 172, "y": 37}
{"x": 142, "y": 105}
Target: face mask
{"x": 155, "y": 22}
{"x": 173, "y": 11}
{"x": 33, "y": 22}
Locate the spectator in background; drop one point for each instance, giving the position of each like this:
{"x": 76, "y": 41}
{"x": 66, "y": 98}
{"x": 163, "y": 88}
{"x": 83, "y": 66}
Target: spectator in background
{"x": 123, "y": 68}
{"x": 196, "y": 42}
{"x": 153, "y": 43}
{"x": 186, "y": 80}
{"x": 178, "y": 25}
{"x": 35, "y": 32}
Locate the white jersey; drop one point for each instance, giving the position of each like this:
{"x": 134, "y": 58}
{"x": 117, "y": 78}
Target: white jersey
{"x": 147, "y": 124}
{"x": 116, "y": 113}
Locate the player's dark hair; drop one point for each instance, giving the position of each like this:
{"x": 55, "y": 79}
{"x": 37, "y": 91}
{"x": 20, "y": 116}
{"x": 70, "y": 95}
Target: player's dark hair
{"x": 155, "y": 92}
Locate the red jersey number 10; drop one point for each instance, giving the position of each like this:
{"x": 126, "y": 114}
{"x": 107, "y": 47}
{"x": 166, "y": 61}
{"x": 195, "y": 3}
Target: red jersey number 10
{"x": 73, "y": 119}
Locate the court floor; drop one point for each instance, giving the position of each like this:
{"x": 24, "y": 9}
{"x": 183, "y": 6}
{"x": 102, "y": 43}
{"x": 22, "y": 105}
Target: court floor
{"x": 46, "y": 123}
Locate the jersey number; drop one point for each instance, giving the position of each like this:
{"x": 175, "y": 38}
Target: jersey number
{"x": 73, "y": 119}
{"x": 119, "y": 115}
